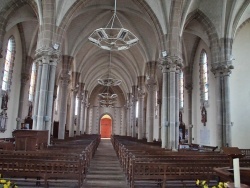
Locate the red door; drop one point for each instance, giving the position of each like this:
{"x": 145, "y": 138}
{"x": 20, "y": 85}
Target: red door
{"x": 106, "y": 127}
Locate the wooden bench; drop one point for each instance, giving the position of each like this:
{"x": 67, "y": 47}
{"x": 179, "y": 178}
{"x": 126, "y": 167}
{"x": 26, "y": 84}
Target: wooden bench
{"x": 43, "y": 169}
{"x": 69, "y": 161}
{"x": 162, "y": 173}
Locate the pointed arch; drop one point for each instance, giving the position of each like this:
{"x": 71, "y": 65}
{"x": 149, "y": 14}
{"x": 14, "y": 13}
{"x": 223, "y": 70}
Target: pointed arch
{"x": 210, "y": 29}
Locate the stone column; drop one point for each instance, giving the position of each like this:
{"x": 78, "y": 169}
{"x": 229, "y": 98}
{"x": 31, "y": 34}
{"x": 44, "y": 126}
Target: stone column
{"x": 164, "y": 106}
{"x": 134, "y": 100}
{"x": 177, "y": 106}
{"x": 74, "y": 90}
{"x": 46, "y": 56}
{"x": 151, "y": 89}
{"x": 38, "y": 82}
{"x": 159, "y": 114}
{"x": 24, "y": 79}
{"x": 79, "y": 115}
{"x": 87, "y": 128}
{"x": 83, "y": 112}
{"x": 187, "y": 73}
{"x": 222, "y": 72}
{"x": 141, "y": 115}
{"x": 65, "y": 80}
{"x": 50, "y": 94}
{"x": 170, "y": 66}
{"x": 129, "y": 114}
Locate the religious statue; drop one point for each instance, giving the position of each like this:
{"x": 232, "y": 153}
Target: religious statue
{"x": 203, "y": 115}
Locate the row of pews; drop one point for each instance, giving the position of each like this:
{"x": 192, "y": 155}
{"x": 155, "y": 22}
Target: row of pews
{"x": 146, "y": 164}
{"x": 65, "y": 160}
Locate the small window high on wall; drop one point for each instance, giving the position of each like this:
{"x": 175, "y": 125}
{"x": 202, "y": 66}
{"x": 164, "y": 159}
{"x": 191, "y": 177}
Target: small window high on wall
{"x": 8, "y": 64}
{"x": 204, "y": 76}
{"x": 32, "y": 83}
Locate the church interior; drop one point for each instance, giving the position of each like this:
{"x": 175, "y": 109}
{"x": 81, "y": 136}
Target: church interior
{"x": 124, "y": 92}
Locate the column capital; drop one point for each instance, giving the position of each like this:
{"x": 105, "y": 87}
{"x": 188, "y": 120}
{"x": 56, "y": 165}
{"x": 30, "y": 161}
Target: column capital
{"x": 141, "y": 93}
{"x": 170, "y": 64}
{"x": 47, "y": 56}
{"x": 189, "y": 87}
{"x": 222, "y": 69}
{"x": 25, "y": 77}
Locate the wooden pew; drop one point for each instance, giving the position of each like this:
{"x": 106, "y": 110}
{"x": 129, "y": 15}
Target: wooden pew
{"x": 67, "y": 160}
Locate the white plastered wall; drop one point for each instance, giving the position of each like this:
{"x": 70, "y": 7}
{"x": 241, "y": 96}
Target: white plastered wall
{"x": 13, "y": 102}
{"x": 204, "y": 135}
{"x": 240, "y": 89}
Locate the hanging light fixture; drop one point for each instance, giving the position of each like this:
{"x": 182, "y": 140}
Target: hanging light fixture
{"x": 108, "y": 98}
{"x": 113, "y": 39}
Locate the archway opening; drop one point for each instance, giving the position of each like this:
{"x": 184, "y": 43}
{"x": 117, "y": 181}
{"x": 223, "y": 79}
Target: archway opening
{"x": 106, "y": 126}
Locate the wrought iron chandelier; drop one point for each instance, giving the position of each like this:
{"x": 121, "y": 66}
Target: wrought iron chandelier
{"x": 113, "y": 39}
{"x": 107, "y": 98}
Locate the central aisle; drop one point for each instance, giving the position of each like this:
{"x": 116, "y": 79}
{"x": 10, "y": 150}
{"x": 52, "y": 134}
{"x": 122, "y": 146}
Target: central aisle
{"x": 104, "y": 169}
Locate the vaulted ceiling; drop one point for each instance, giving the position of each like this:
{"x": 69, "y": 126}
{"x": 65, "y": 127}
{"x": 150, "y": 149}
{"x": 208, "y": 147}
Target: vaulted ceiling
{"x": 149, "y": 20}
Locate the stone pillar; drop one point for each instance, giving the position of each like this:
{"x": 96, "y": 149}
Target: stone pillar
{"x": 24, "y": 79}
{"x": 170, "y": 66}
{"x": 74, "y": 90}
{"x": 129, "y": 114}
{"x": 187, "y": 73}
{"x": 141, "y": 114}
{"x": 134, "y": 100}
{"x": 159, "y": 114}
{"x": 151, "y": 90}
{"x": 177, "y": 106}
{"x": 80, "y": 97}
{"x": 65, "y": 80}
{"x": 87, "y": 125}
{"x": 50, "y": 95}
{"x": 83, "y": 112}
{"x": 164, "y": 106}
{"x": 222, "y": 72}
{"x": 46, "y": 56}
{"x": 38, "y": 78}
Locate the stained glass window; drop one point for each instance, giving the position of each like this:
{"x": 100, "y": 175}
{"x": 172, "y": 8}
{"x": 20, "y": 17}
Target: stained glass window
{"x": 32, "y": 83}
{"x": 204, "y": 76}
{"x": 8, "y": 64}
{"x": 181, "y": 90}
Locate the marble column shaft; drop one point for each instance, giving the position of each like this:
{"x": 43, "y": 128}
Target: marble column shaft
{"x": 141, "y": 114}
{"x": 64, "y": 84}
{"x": 222, "y": 72}
{"x": 134, "y": 100}
{"x": 83, "y": 112}
{"x": 164, "y": 109}
{"x": 24, "y": 79}
{"x": 36, "y": 101}
{"x": 74, "y": 90}
{"x": 50, "y": 94}
{"x": 72, "y": 112}
{"x": 151, "y": 87}
{"x": 42, "y": 96}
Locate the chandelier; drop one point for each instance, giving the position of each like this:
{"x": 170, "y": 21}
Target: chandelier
{"x": 108, "y": 98}
{"x": 113, "y": 39}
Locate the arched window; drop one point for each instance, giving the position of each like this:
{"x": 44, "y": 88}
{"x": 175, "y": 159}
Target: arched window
{"x": 204, "y": 76}
{"x": 32, "y": 83}
{"x": 8, "y": 64}
{"x": 76, "y": 105}
{"x": 181, "y": 90}
{"x": 136, "y": 109}
{"x": 57, "y": 98}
